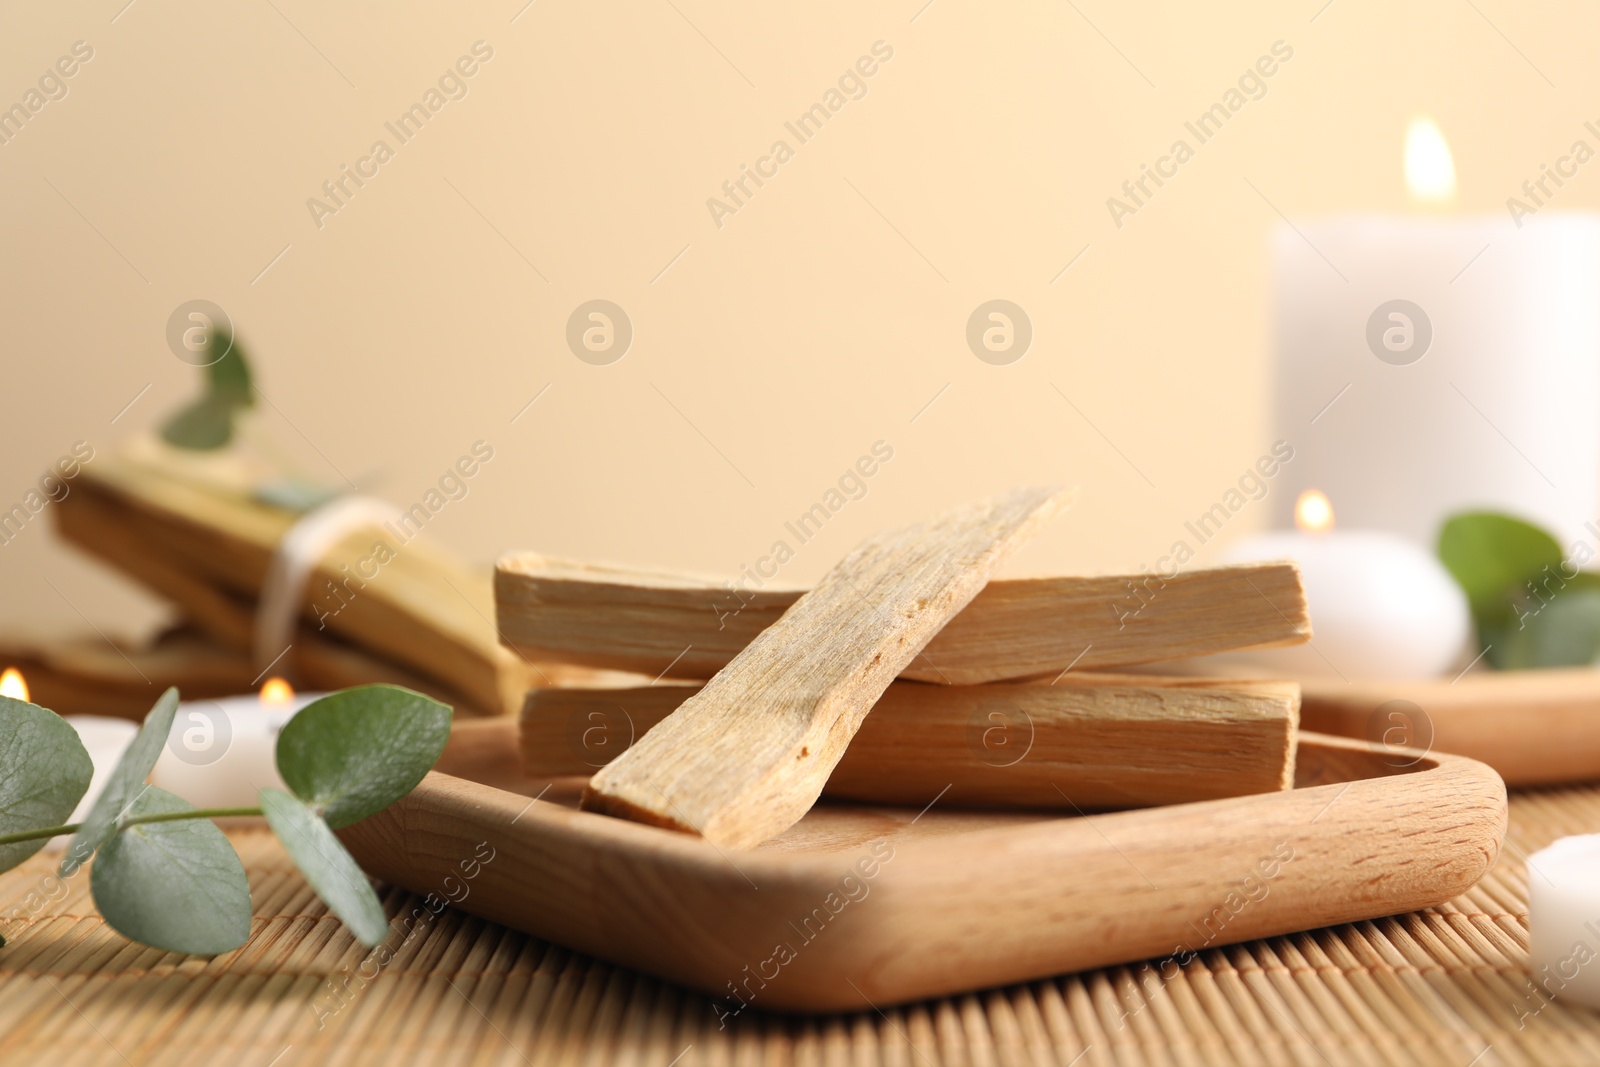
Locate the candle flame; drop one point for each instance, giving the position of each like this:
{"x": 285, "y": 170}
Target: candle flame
{"x": 13, "y": 685}
{"x": 275, "y": 693}
{"x": 1313, "y": 512}
{"x": 1430, "y": 168}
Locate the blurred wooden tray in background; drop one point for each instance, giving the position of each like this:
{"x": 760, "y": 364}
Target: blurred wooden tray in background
{"x": 1533, "y": 727}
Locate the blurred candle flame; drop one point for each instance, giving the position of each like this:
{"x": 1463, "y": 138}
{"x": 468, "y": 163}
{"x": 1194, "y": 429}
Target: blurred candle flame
{"x": 13, "y": 685}
{"x": 1313, "y": 512}
{"x": 1430, "y": 168}
{"x": 275, "y": 693}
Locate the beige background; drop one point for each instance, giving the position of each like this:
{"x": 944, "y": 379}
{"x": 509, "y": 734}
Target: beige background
{"x": 821, "y": 318}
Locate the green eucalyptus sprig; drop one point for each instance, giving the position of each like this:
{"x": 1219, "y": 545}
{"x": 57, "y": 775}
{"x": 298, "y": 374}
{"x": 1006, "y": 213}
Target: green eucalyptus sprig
{"x": 1532, "y": 604}
{"x": 211, "y": 423}
{"x": 208, "y": 423}
{"x": 164, "y": 874}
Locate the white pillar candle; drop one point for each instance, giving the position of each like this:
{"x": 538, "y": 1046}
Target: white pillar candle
{"x": 222, "y": 752}
{"x": 1564, "y": 920}
{"x": 1380, "y": 606}
{"x": 1482, "y": 390}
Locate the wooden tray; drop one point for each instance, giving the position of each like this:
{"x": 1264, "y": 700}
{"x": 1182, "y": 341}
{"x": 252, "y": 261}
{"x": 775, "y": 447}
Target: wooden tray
{"x": 1533, "y": 727}
{"x": 862, "y": 906}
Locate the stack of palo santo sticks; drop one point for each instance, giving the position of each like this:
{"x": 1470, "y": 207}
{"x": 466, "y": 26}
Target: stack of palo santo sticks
{"x": 902, "y": 677}
{"x": 726, "y": 710}
{"x": 197, "y": 532}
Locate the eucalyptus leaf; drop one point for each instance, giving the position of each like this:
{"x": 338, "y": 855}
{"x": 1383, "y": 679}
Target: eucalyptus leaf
{"x": 1583, "y": 580}
{"x": 355, "y": 752}
{"x": 1492, "y": 557}
{"x": 44, "y": 772}
{"x": 292, "y": 495}
{"x": 204, "y": 426}
{"x": 327, "y": 866}
{"x": 228, "y": 376}
{"x": 175, "y": 885}
{"x": 1562, "y": 633}
{"x": 207, "y": 424}
{"x": 123, "y": 784}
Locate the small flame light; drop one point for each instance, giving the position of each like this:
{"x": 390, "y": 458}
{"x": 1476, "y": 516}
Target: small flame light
{"x": 1313, "y": 512}
{"x": 13, "y": 685}
{"x": 276, "y": 693}
{"x": 1430, "y": 168}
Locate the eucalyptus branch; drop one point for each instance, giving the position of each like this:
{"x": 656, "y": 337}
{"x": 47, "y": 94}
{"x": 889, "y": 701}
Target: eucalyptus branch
{"x": 179, "y": 885}
{"x": 1532, "y": 603}
{"x": 47, "y": 832}
{"x": 43, "y": 832}
{"x": 197, "y": 813}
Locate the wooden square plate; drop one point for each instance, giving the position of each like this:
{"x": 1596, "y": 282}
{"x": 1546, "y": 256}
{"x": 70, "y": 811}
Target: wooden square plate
{"x": 859, "y": 905}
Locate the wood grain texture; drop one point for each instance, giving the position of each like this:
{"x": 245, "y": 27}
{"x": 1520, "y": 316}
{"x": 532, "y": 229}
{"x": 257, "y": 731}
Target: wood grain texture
{"x": 955, "y": 901}
{"x": 1533, "y": 727}
{"x": 1087, "y": 742}
{"x": 657, "y": 623}
{"x": 484, "y": 750}
{"x": 203, "y": 546}
{"x": 747, "y": 756}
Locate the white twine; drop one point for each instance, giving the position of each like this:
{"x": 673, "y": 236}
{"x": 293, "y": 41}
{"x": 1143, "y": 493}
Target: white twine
{"x": 297, "y": 555}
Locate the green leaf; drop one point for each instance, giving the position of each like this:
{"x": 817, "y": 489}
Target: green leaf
{"x": 292, "y": 495}
{"x": 207, "y": 424}
{"x": 330, "y": 869}
{"x": 355, "y": 752}
{"x": 44, "y": 772}
{"x": 228, "y": 376}
{"x": 1562, "y": 633}
{"x": 204, "y": 426}
{"x": 1492, "y": 557}
{"x": 123, "y": 784}
{"x": 177, "y": 886}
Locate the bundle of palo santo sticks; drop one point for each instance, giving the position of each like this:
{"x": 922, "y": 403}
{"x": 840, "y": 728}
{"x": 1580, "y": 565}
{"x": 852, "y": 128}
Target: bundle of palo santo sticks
{"x": 902, "y": 677}
{"x": 195, "y": 530}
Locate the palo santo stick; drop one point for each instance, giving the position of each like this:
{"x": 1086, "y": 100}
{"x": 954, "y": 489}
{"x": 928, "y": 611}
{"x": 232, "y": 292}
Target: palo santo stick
{"x": 643, "y": 621}
{"x": 102, "y": 528}
{"x": 88, "y": 675}
{"x": 1090, "y": 741}
{"x": 423, "y": 608}
{"x": 743, "y": 759}
{"x": 314, "y": 660}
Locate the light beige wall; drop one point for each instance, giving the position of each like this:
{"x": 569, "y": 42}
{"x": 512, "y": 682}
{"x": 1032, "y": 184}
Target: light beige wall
{"x": 774, "y": 351}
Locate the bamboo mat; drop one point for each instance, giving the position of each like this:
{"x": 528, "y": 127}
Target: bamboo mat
{"x": 1445, "y": 986}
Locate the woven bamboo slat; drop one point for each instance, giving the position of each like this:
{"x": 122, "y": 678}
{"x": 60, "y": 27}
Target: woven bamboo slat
{"x": 1442, "y": 986}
